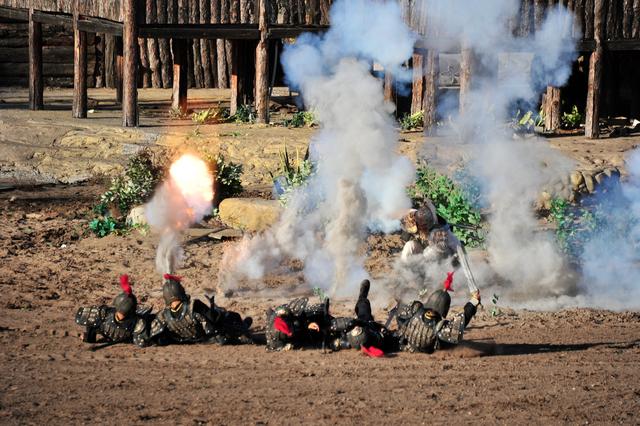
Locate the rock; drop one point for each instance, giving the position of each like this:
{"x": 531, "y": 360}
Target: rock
{"x": 249, "y": 214}
{"x": 136, "y": 216}
{"x": 576, "y": 179}
{"x": 588, "y": 181}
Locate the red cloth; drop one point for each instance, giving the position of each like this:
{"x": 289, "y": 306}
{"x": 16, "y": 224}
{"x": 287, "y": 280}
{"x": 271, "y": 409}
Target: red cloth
{"x": 448, "y": 281}
{"x": 124, "y": 283}
{"x": 172, "y": 277}
{"x": 282, "y": 326}
{"x": 372, "y": 351}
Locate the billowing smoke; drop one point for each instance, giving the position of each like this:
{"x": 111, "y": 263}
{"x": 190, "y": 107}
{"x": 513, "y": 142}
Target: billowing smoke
{"x": 359, "y": 180}
{"x": 183, "y": 199}
{"x": 509, "y": 70}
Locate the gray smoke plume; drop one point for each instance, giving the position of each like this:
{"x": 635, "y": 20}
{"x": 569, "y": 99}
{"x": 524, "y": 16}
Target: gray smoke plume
{"x": 509, "y": 70}
{"x": 359, "y": 180}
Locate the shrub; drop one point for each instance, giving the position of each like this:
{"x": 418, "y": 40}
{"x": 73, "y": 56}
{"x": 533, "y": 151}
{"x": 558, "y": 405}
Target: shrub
{"x": 451, "y": 204}
{"x": 301, "y": 119}
{"x": 575, "y": 226}
{"x": 290, "y": 174}
{"x": 572, "y": 119}
{"x": 244, "y": 114}
{"x": 209, "y": 115}
{"x": 412, "y": 121}
{"x": 229, "y": 177}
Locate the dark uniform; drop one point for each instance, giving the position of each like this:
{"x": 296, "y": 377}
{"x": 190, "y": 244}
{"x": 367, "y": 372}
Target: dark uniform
{"x": 133, "y": 327}
{"x": 288, "y": 324}
{"x": 191, "y": 322}
{"x": 425, "y": 328}
{"x": 362, "y": 331}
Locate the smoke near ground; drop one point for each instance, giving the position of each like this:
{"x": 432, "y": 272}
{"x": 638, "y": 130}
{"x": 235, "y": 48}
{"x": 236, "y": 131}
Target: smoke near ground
{"x": 359, "y": 181}
{"x": 183, "y": 199}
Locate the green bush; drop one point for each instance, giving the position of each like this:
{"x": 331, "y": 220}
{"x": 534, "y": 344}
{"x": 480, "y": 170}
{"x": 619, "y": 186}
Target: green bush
{"x": 209, "y": 115}
{"x": 301, "y": 119}
{"x": 451, "y": 203}
{"x": 575, "y": 226}
{"x": 572, "y": 119}
{"x": 103, "y": 226}
{"x": 412, "y": 121}
{"x": 292, "y": 174}
{"x": 244, "y": 114}
{"x": 229, "y": 177}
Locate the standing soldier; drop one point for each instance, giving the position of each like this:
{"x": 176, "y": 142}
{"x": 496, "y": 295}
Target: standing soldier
{"x": 184, "y": 322}
{"x": 120, "y": 323}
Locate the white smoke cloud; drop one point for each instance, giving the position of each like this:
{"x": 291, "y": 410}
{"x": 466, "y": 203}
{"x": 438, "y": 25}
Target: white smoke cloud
{"x": 183, "y": 199}
{"x": 359, "y": 180}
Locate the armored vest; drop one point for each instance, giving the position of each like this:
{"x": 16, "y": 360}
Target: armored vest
{"x": 183, "y": 325}
{"x": 102, "y": 319}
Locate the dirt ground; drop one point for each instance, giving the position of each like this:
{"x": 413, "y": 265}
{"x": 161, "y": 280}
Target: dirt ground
{"x": 571, "y": 366}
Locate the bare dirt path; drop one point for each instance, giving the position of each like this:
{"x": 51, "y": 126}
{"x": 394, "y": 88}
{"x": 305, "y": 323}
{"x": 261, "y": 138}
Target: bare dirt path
{"x": 574, "y": 366}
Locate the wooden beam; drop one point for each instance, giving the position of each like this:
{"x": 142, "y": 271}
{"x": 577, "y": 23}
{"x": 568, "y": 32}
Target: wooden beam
{"x": 99, "y": 25}
{"x": 130, "y": 65}
{"x": 262, "y": 66}
{"x": 79, "y": 71}
{"x": 277, "y": 31}
{"x": 52, "y": 18}
{"x": 36, "y": 82}
{"x": 206, "y": 31}
{"x": 591, "y": 126}
{"x": 180, "y": 83}
{"x": 21, "y": 15}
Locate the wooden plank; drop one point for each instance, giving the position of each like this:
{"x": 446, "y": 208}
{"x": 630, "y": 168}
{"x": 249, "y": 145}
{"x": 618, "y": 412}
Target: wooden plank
{"x": 180, "y": 82}
{"x": 152, "y": 46}
{"x": 98, "y": 25}
{"x": 467, "y": 61}
{"x": 130, "y": 65}
{"x": 277, "y": 31}
{"x": 119, "y": 68}
{"x": 588, "y": 19}
{"x": 262, "y": 66}
{"x": 389, "y": 92}
{"x": 417, "y": 87}
{"x": 205, "y": 18}
{"x": 52, "y": 18}
{"x": 163, "y": 45}
{"x": 592, "y": 110}
{"x": 36, "y": 82}
{"x": 551, "y": 108}
{"x": 194, "y": 18}
{"x": 21, "y": 15}
{"x": 431, "y": 73}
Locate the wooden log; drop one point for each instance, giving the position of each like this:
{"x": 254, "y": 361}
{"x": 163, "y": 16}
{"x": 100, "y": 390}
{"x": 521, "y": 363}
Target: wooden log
{"x": 588, "y": 18}
{"x": 526, "y": 19}
{"x": 389, "y": 92}
{"x": 244, "y": 11}
{"x": 635, "y": 30}
{"x": 431, "y": 73}
{"x": 152, "y": 46}
{"x": 224, "y": 19}
{"x": 163, "y": 44}
{"x": 145, "y": 68}
{"x": 578, "y": 22}
{"x": 119, "y": 64}
{"x": 205, "y": 18}
{"x": 98, "y": 71}
{"x": 417, "y": 90}
{"x": 79, "y": 108}
{"x": 466, "y": 73}
{"x": 221, "y": 57}
{"x": 262, "y": 66}
{"x": 592, "y": 128}
{"x": 234, "y": 11}
{"x": 130, "y": 65}
{"x": 325, "y": 6}
{"x": 180, "y": 82}
{"x": 539, "y": 7}
{"x": 194, "y": 18}
{"x": 627, "y": 19}
{"x": 551, "y": 108}
{"x": 36, "y": 82}
{"x": 236, "y": 78}
{"x": 110, "y": 61}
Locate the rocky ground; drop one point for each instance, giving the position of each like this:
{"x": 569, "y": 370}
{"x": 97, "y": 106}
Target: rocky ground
{"x": 571, "y": 366}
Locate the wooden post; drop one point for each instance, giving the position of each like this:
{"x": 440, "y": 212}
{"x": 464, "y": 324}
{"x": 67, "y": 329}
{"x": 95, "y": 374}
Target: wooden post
{"x": 417, "y": 90}
{"x": 236, "y": 80}
{"x": 430, "y": 98}
{"x": 36, "y": 81}
{"x": 152, "y": 46}
{"x": 591, "y": 125}
{"x": 388, "y": 86}
{"x": 180, "y": 81}
{"x": 551, "y": 109}
{"x": 466, "y": 71}
{"x": 220, "y": 64}
{"x": 118, "y": 70}
{"x": 262, "y": 67}
{"x": 130, "y": 65}
{"x": 79, "y": 109}
{"x": 205, "y": 18}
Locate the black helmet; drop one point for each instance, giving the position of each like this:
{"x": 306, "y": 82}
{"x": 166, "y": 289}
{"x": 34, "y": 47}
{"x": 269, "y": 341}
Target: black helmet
{"x": 439, "y": 302}
{"x": 125, "y": 302}
{"x": 172, "y": 290}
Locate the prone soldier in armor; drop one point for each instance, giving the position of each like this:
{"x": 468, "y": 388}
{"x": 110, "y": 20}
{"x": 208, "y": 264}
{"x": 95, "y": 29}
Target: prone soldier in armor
{"x": 362, "y": 332}
{"x": 425, "y": 327}
{"x": 121, "y": 323}
{"x": 184, "y": 322}
{"x": 297, "y": 324}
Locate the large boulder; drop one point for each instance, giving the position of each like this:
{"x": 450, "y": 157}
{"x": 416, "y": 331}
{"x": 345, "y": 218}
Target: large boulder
{"x": 249, "y": 214}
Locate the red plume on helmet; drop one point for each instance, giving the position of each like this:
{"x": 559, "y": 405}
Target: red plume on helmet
{"x": 124, "y": 283}
{"x": 172, "y": 277}
{"x": 281, "y": 325}
{"x": 448, "y": 282}
{"x": 372, "y": 351}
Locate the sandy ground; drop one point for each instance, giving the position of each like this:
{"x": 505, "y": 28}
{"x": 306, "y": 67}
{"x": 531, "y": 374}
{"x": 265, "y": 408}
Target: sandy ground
{"x": 572, "y": 366}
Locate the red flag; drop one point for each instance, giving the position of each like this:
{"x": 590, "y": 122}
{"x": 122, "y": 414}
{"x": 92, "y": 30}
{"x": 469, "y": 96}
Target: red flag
{"x": 372, "y": 351}
{"x": 172, "y": 277}
{"x": 124, "y": 283}
{"x": 448, "y": 281}
{"x": 282, "y": 326}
